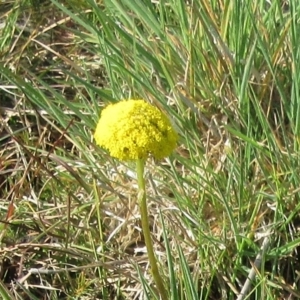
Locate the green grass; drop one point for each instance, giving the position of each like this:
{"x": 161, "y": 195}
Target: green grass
{"x": 226, "y": 73}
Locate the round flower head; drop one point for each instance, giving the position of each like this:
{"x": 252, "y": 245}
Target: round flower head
{"x": 133, "y": 129}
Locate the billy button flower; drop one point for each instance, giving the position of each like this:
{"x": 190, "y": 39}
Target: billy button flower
{"x": 133, "y": 130}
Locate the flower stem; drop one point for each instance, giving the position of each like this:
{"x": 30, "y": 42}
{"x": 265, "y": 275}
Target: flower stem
{"x": 145, "y": 227}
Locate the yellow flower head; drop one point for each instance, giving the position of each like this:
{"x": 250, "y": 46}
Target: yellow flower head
{"x": 133, "y": 129}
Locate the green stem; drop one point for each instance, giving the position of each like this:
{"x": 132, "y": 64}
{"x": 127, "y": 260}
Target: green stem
{"x": 140, "y": 164}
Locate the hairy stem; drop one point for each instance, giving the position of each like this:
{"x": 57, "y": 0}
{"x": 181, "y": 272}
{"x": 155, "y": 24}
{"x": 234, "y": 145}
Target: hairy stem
{"x": 145, "y": 227}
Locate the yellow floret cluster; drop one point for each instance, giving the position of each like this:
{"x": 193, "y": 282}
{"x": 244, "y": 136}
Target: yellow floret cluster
{"x": 133, "y": 129}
